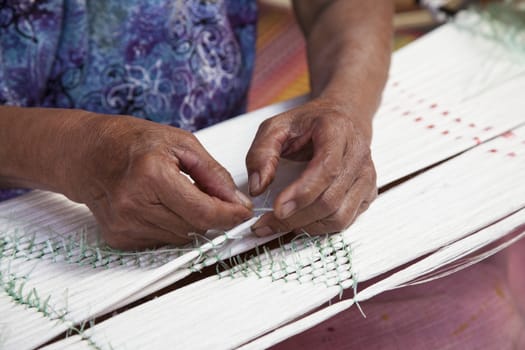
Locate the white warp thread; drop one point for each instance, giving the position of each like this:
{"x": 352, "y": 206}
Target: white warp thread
{"x": 427, "y": 115}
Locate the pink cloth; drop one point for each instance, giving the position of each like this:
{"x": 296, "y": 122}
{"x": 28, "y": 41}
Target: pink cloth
{"x": 481, "y": 307}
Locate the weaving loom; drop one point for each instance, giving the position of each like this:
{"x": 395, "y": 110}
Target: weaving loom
{"x": 437, "y": 111}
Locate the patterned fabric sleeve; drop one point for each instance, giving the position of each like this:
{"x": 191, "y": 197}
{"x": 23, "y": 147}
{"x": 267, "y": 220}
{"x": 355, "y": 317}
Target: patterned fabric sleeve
{"x": 186, "y": 63}
{"x": 29, "y": 31}
{"x": 29, "y": 35}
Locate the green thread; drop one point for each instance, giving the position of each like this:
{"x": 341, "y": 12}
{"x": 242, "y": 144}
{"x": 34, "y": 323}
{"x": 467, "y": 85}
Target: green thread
{"x": 15, "y": 287}
{"x": 32, "y": 300}
{"x": 502, "y": 23}
{"x": 329, "y": 263}
{"x": 74, "y": 249}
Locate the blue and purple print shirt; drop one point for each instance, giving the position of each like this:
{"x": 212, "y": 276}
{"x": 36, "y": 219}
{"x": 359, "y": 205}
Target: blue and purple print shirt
{"x": 186, "y": 63}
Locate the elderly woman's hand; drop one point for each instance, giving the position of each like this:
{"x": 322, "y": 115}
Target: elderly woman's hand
{"x": 339, "y": 181}
{"x": 133, "y": 175}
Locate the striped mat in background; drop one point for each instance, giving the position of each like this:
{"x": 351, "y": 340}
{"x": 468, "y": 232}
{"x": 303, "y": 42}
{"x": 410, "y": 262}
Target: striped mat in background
{"x": 280, "y": 68}
{"x": 280, "y": 65}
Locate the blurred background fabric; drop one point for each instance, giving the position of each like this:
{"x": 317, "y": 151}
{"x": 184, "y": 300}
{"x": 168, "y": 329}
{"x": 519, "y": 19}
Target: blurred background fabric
{"x": 280, "y": 67}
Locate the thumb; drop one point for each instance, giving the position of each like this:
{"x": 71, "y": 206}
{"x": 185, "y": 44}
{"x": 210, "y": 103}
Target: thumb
{"x": 210, "y": 176}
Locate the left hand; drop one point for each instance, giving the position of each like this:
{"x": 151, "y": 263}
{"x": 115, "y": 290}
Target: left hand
{"x": 339, "y": 181}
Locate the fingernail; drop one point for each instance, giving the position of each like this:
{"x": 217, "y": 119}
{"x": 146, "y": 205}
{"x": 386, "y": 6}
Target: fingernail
{"x": 244, "y": 199}
{"x": 254, "y": 182}
{"x": 262, "y": 231}
{"x": 287, "y": 209}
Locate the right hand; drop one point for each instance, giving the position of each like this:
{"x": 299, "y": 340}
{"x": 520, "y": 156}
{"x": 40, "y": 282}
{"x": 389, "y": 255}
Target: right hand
{"x": 131, "y": 173}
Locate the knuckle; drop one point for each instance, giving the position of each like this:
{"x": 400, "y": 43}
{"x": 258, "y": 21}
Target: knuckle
{"x": 205, "y": 219}
{"x": 146, "y": 169}
{"x": 219, "y": 172}
{"x": 187, "y": 136}
{"x": 122, "y": 203}
{"x": 266, "y": 125}
{"x": 373, "y": 195}
{"x": 329, "y": 124}
{"x": 364, "y": 206}
{"x": 328, "y": 204}
{"x": 372, "y": 174}
{"x": 274, "y": 125}
{"x": 331, "y": 169}
{"x": 367, "y": 153}
{"x": 370, "y": 184}
{"x": 210, "y": 214}
{"x": 339, "y": 226}
{"x": 340, "y": 221}
{"x": 186, "y": 145}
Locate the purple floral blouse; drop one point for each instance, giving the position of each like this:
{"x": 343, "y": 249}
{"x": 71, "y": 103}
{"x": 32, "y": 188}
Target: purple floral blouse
{"x": 186, "y": 63}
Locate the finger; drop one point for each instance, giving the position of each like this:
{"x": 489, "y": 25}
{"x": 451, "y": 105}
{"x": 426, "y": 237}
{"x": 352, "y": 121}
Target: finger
{"x": 125, "y": 240}
{"x": 209, "y": 175}
{"x": 160, "y": 215}
{"x": 324, "y": 168}
{"x": 125, "y": 227}
{"x": 197, "y": 208}
{"x": 268, "y": 225}
{"x": 171, "y": 227}
{"x": 328, "y": 202}
{"x": 354, "y": 204}
{"x": 138, "y": 234}
{"x": 324, "y": 206}
{"x": 154, "y": 232}
{"x": 328, "y": 225}
{"x": 263, "y": 156}
{"x": 324, "y": 219}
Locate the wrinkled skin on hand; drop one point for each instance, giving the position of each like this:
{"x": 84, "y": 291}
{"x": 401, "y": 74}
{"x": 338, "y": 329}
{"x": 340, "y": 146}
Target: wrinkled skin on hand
{"x": 339, "y": 181}
{"x": 133, "y": 177}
